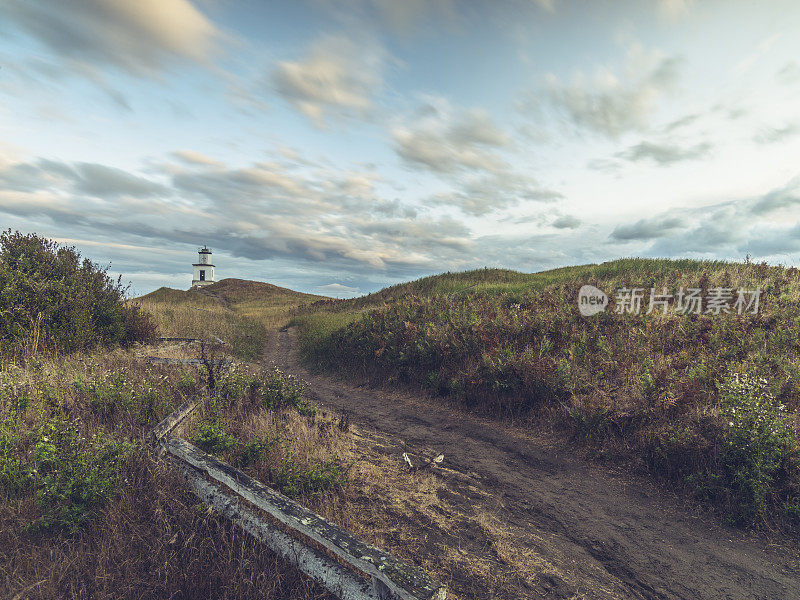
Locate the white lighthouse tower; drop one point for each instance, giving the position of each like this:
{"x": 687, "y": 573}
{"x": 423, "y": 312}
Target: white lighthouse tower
{"x": 203, "y": 268}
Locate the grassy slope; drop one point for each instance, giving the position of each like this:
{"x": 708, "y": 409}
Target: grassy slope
{"x": 657, "y": 389}
{"x": 238, "y": 311}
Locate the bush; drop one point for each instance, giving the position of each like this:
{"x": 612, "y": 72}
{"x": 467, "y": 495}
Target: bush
{"x": 257, "y": 449}
{"x": 70, "y": 475}
{"x": 74, "y": 478}
{"x": 296, "y": 480}
{"x": 52, "y": 299}
{"x": 758, "y": 443}
{"x": 211, "y": 436}
{"x": 279, "y": 390}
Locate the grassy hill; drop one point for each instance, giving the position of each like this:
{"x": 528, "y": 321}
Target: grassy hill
{"x": 708, "y": 400}
{"x": 238, "y": 311}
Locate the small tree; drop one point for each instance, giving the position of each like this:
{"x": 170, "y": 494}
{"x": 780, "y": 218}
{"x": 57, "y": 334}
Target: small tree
{"x": 51, "y": 298}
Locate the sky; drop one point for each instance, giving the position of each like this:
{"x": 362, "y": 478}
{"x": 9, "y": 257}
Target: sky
{"x": 336, "y": 147}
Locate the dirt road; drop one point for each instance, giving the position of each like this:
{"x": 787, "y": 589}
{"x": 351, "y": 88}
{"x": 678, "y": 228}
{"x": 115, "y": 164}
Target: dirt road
{"x": 569, "y": 529}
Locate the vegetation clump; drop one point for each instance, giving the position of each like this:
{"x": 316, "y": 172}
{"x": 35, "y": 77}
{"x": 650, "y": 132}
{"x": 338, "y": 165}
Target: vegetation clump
{"x": 52, "y": 299}
{"x": 759, "y": 444}
{"x": 227, "y": 429}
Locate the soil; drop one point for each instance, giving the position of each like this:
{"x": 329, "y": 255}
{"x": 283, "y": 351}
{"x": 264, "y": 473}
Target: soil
{"x": 517, "y": 514}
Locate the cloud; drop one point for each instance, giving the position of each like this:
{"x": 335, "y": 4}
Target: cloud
{"x": 195, "y": 158}
{"x": 140, "y": 38}
{"x": 766, "y": 226}
{"x": 482, "y": 194}
{"x": 107, "y": 182}
{"x": 664, "y": 154}
{"x": 548, "y": 5}
{"x": 790, "y": 73}
{"x": 771, "y": 135}
{"x": 611, "y": 104}
{"x": 648, "y": 229}
{"x": 672, "y": 10}
{"x": 681, "y": 122}
{"x": 89, "y": 179}
{"x": 338, "y": 78}
{"x": 567, "y": 222}
{"x": 782, "y": 197}
{"x": 469, "y": 150}
{"x": 260, "y": 212}
{"x": 405, "y": 17}
{"x": 447, "y": 141}
{"x": 758, "y": 52}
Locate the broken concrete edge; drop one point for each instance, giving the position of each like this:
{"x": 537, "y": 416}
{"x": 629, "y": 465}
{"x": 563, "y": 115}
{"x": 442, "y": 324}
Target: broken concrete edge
{"x": 337, "y": 579}
{"x": 404, "y": 581}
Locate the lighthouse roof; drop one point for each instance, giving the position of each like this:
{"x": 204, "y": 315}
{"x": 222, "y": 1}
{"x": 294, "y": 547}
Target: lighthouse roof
{"x": 204, "y": 250}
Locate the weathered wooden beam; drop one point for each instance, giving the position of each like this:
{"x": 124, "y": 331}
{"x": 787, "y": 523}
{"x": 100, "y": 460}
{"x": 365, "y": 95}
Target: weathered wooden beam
{"x": 171, "y": 424}
{"x": 392, "y": 578}
{"x": 336, "y": 578}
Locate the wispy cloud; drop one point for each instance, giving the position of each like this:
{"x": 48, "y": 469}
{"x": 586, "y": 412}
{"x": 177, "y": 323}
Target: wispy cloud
{"x": 664, "y": 154}
{"x": 447, "y": 141}
{"x": 338, "y": 78}
{"x": 140, "y": 38}
{"x": 727, "y": 229}
{"x": 611, "y": 104}
{"x": 771, "y": 135}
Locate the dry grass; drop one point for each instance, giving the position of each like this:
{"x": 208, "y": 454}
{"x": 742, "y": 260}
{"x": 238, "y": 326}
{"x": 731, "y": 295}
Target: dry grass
{"x": 242, "y": 313}
{"x": 150, "y": 539}
{"x": 439, "y": 519}
{"x": 153, "y": 541}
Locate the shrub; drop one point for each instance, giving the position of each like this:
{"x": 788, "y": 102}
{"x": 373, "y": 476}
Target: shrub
{"x": 257, "y": 449}
{"x": 74, "y": 479}
{"x": 278, "y": 390}
{"x": 295, "y": 480}
{"x": 756, "y": 445}
{"x": 211, "y": 436}
{"x": 51, "y": 298}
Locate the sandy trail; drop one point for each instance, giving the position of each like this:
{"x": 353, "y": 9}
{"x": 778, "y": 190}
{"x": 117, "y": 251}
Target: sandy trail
{"x": 588, "y": 531}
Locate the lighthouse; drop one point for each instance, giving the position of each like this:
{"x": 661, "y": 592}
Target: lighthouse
{"x": 203, "y": 268}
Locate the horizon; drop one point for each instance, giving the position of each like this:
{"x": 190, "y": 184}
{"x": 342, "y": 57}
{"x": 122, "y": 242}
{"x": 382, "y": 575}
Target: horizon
{"x": 339, "y": 148}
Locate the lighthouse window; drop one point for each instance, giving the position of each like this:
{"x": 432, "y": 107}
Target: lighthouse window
{"x": 202, "y": 275}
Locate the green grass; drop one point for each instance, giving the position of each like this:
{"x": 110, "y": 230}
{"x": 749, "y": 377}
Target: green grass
{"x": 645, "y": 388}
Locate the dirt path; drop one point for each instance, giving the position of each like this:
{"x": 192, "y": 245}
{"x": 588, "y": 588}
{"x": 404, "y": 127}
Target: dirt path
{"x": 570, "y": 529}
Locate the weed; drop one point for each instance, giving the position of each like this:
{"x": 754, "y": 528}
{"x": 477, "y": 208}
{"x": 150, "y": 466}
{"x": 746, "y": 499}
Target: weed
{"x": 212, "y": 437}
{"x": 257, "y": 449}
{"x": 295, "y": 480}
